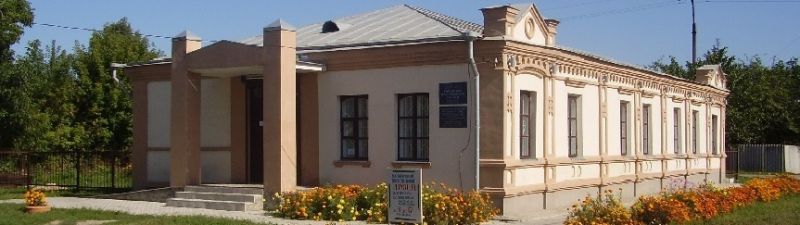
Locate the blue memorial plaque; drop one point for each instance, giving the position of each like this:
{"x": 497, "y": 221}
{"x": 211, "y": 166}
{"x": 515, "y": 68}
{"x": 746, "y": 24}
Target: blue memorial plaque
{"x": 453, "y": 93}
{"x": 453, "y": 117}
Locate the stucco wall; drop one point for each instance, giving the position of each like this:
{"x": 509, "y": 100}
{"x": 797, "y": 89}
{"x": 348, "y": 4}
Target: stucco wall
{"x": 701, "y": 128}
{"x": 614, "y": 99}
{"x": 215, "y": 166}
{"x": 654, "y": 123}
{"x": 670, "y": 145}
{"x": 215, "y": 130}
{"x": 588, "y": 120}
{"x": 533, "y": 83}
{"x": 158, "y": 166}
{"x": 792, "y": 158}
{"x": 520, "y": 35}
{"x": 382, "y": 86}
{"x": 215, "y": 112}
{"x": 158, "y": 114}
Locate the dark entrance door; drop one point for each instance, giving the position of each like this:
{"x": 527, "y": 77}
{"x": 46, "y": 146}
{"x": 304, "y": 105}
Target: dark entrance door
{"x": 255, "y": 131}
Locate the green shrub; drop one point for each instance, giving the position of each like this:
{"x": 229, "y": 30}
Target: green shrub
{"x": 441, "y": 205}
{"x": 606, "y": 208}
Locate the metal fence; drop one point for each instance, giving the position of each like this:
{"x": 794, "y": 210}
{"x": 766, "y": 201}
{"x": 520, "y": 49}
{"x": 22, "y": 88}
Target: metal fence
{"x": 73, "y": 169}
{"x": 756, "y": 158}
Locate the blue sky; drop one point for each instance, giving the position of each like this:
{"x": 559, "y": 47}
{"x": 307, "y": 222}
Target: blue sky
{"x": 633, "y": 31}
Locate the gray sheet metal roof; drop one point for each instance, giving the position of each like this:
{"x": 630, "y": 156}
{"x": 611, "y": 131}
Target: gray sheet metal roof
{"x": 405, "y": 24}
{"x": 397, "y": 24}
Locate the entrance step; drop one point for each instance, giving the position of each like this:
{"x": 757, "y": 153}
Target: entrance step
{"x": 219, "y": 197}
{"x": 225, "y": 189}
{"x": 231, "y": 197}
{"x": 212, "y": 204}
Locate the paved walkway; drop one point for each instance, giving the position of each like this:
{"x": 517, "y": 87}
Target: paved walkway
{"x": 155, "y": 208}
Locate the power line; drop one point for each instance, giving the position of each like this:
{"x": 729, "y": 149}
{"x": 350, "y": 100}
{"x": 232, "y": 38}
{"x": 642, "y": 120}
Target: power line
{"x": 622, "y": 10}
{"x": 754, "y": 1}
{"x": 97, "y": 30}
{"x": 576, "y": 5}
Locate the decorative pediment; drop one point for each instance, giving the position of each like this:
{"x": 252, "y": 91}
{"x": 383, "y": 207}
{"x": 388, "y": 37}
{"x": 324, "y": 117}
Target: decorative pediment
{"x": 225, "y": 54}
{"x": 712, "y": 75}
{"x": 531, "y": 27}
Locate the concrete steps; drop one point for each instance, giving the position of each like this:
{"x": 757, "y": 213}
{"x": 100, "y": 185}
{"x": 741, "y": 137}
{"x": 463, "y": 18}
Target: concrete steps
{"x": 219, "y": 198}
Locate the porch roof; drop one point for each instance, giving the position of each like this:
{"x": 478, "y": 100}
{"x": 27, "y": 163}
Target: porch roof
{"x": 227, "y": 59}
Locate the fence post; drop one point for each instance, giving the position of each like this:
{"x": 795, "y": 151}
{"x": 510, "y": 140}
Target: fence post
{"x": 783, "y": 158}
{"x": 113, "y": 169}
{"x": 763, "y": 148}
{"x": 27, "y": 173}
{"x": 77, "y": 169}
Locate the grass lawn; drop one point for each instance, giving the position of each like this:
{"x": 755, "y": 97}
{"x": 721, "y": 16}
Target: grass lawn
{"x": 783, "y": 211}
{"x": 17, "y": 192}
{"x": 12, "y": 214}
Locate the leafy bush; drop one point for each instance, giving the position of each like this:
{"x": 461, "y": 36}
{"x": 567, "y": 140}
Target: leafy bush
{"x": 660, "y": 210}
{"x": 441, "y": 205}
{"x": 604, "y": 209}
{"x": 764, "y": 189}
{"x": 444, "y": 205}
{"x": 680, "y": 206}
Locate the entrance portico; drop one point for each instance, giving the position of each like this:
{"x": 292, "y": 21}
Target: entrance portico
{"x": 277, "y": 67}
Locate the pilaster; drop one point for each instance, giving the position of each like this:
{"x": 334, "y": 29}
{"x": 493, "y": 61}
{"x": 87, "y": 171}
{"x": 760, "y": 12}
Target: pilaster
{"x": 185, "y": 114}
{"x": 280, "y": 107}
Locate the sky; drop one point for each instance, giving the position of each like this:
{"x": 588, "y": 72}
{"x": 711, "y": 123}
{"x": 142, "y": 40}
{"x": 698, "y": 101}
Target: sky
{"x": 632, "y": 31}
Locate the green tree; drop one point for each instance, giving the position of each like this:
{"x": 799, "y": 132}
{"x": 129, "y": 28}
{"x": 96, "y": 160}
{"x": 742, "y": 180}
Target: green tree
{"x": 48, "y": 84}
{"x": 104, "y": 107}
{"x": 15, "y": 15}
{"x": 764, "y": 101}
{"x": 672, "y": 68}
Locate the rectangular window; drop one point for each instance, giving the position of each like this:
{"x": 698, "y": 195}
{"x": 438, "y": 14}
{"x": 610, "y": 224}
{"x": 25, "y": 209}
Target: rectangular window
{"x": 646, "y": 129}
{"x": 527, "y": 124}
{"x": 573, "y": 122}
{"x": 412, "y": 129}
{"x": 623, "y": 127}
{"x": 354, "y": 127}
{"x": 677, "y": 130}
{"x": 714, "y": 135}
{"x": 694, "y": 131}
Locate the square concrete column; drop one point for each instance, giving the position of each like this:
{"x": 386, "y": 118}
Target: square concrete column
{"x": 280, "y": 107}
{"x": 184, "y": 153}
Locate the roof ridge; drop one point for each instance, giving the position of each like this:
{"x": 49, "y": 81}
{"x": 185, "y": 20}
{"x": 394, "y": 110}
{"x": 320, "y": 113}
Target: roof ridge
{"x": 440, "y": 16}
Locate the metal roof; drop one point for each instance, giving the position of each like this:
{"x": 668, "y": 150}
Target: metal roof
{"x": 407, "y": 24}
{"x": 397, "y": 24}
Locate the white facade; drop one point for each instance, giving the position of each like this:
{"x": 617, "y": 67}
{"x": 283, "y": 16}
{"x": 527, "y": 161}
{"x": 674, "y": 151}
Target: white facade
{"x": 451, "y": 152}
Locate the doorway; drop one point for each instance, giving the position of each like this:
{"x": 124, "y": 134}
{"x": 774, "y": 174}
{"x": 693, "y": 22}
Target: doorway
{"x": 255, "y": 131}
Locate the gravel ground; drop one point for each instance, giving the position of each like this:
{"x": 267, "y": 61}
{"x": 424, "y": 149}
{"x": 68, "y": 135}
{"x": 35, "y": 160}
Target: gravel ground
{"x": 155, "y": 208}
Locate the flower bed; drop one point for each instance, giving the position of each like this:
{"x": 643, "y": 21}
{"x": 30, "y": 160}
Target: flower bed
{"x": 441, "y": 205}
{"x": 680, "y": 206}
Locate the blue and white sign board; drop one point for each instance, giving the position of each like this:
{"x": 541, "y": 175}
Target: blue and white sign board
{"x": 405, "y": 196}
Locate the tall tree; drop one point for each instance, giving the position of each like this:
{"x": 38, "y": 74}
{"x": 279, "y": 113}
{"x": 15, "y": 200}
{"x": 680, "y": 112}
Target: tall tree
{"x": 104, "y": 105}
{"x": 48, "y": 84}
{"x": 15, "y": 15}
{"x": 672, "y": 68}
{"x": 764, "y": 101}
